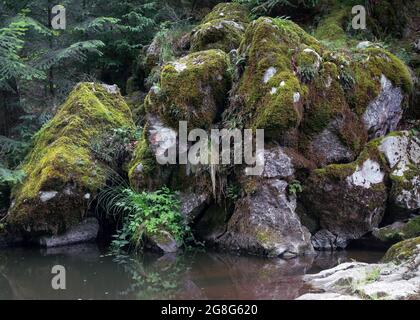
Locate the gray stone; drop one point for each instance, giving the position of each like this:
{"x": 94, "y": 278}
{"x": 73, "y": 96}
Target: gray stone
{"x": 163, "y": 241}
{"x": 402, "y": 151}
{"x": 329, "y": 147}
{"x": 348, "y": 203}
{"x": 265, "y": 223}
{"x": 324, "y": 240}
{"x": 86, "y": 231}
{"x": 193, "y": 204}
{"x": 277, "y": 164}
{"x": 385, "y": 112}
{"x": 357, "y": 280}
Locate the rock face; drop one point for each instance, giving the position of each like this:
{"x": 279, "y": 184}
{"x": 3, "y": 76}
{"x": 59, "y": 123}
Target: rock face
{"x": 402, "y": 151}
{"x": 265, "y": 221}
{"x": 86, "y": 231}
{"x": 223, "y": 28}
{"x": 385, "y": 112}
{"x": 398, "y": 278}
{"x": 62, "y": 174}
{"x": 349, "y": 200}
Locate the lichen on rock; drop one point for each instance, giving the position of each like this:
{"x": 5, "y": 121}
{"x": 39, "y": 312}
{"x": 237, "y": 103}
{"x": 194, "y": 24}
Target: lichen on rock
{"x": 61, "y": 170}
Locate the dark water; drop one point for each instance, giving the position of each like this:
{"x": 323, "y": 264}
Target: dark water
{"x": 26, "y": 274}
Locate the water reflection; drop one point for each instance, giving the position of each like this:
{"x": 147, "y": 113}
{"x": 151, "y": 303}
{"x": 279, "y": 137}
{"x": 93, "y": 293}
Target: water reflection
{"x": 26, "y": 274}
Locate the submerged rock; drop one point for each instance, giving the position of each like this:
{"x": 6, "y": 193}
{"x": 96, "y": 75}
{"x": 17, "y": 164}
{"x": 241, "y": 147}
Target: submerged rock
{"x": 62, "y": 173}
{"x": 86, "y": 231}
{"x": 162, "y": 241}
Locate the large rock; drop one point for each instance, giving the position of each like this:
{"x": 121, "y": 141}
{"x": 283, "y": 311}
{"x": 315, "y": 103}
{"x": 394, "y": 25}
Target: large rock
{"x": 270, "y": 90}
{"x": 192, "y": 89}
{"x": 402, "y": 152}
{"x": 385, "y": 112}
{"x": 397, "y": 278}
{"x": 398, "y": 231}
{"x": 223, "y": 28}
{"x": 265, "y": 221}
{"x": 349, "y": 200}
{"x": 86, "y": 231}
{"x": 62, "y": 173}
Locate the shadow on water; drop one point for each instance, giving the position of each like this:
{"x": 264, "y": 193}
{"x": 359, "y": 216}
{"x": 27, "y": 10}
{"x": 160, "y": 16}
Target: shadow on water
{"x": 26, "y": 274}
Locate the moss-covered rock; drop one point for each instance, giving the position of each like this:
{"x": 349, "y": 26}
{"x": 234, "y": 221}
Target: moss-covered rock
{"x": 223, "y": 28}
{"x": 402, "y": 152}
{"x": 402, "y": 251}
{"x": 349, "y": 199}
{"x": 270, "y": 89}
{"x": 399, "y": 231}
{"x": 331, "y": 27}
{"x": 62, "y": 174}
{"x": 193, "y": 89}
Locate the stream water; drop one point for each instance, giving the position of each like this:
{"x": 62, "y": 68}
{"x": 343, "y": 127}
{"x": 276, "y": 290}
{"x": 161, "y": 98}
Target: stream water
{"x": 25, "y": 273}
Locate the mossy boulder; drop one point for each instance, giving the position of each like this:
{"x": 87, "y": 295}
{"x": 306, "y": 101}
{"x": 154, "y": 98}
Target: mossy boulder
{"x": 398, "y": 231}
{"x": 402, "y": 251}
{"x": 223, "y": 28}
{"x": 270, "y": 90}
{"x": 193, "y": 89}
{"x": 349, "y": 200}
{"x": 62, "y": 173}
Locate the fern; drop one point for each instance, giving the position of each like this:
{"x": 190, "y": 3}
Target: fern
{"x": 77, "y": 51}
{"x": 12, "y": 65}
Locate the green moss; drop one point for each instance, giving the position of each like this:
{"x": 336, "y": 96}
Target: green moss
{"x": 269, "y": 88}
{"x": 280, "y": 112}
{"x": 368, "y": 66}
{"x": 228, "y": 11}
{"x": 62, "y": 158}
{"x": 402, "y": 251}
{"x": 192, "y": 89}
{"x": 326, "y": 100}
{"x": 144, "y": 157}
{"x": 331, "y": 27}
{"x": 217, "y": 34}
{"x": 222, "y": 29}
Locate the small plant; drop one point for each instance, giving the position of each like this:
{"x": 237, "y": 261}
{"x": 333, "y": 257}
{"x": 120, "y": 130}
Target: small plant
{"x": 347, "y": 80}
{"x": 295, "y": 187}
{"x": 373, "y": 275}
{"x": 116, "y": 147}
{"x": 146, "y": 213}
{"x": 233, "y": 192}
{"x": 307, "y": 73}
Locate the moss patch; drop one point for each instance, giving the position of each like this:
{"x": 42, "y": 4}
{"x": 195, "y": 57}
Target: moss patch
{"x": 402, "y": 251}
